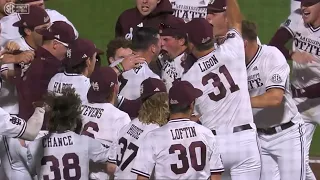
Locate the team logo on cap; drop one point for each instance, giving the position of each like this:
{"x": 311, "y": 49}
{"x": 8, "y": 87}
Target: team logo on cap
{"x": 141, "y": 89}
{"x": 204, "y": 40}
{"x": 172, "y": 101}
{"x": 95, "y": 86}
{"x": 68, "y": 53}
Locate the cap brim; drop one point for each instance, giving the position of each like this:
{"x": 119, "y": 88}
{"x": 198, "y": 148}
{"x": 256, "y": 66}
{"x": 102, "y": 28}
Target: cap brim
{"x": 45, "y": 33}
{"x": 197, "y": 93}
{"x": 99, "y": 51}
{"x": 17, "y": 24}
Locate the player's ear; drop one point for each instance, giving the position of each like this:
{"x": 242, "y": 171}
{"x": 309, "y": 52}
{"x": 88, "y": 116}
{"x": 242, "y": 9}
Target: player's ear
{"x": 111, "y": 60}
{"x": 27, "y": 31}
{"x": 158, "y": 1}
{"x": 182, "y": 41}
{"x": 153, "y": 48}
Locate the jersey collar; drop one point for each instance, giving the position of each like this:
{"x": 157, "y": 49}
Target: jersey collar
{"x": 177, "y": 120}
{"x": 254, "y": 57}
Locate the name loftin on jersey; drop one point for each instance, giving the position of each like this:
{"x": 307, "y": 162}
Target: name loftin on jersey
{"x": 57, "y": 141}
{"x": 182, "y": 133}
{"x": 59, "y": 87}
{"x": 91, "y": 111}
{"x": 208, "y": 63}
{"x": 134, "y": 131}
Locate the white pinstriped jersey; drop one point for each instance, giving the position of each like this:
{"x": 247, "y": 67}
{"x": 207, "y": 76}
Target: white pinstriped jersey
{"x": 306, "y": 39}
{"x": 267, "y": 70}
{"x": 103, "y": 121}
{"x": 123, "y": 151}
{"x": 222, "y": 77}
{"x": 8, "y": 93}
{"x": 79, "y": 82}
{"x": 65, "y": 156}
{"x": 11, "y": 126}
{"x": 181, "y": 149}
{"x": 172, "y": 70}
{"x": 189, "y": 9}
{"x": 130, "y": 81}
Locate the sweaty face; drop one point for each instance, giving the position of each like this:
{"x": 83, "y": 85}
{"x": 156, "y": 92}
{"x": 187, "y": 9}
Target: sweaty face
{"x": 171, "y": 45}
{"x": 145, "y": 7}
{"x": 219, "y": 23}
{"x": 37, "y": 38}
{"x": 311, "y": 14}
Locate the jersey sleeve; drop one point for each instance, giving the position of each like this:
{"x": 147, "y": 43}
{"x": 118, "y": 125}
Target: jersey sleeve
{"x": 216, "y": 165}
{"x": 277, "y": 70}
{"x": 146, "y": 158}
{"x": 292, "y": 22}
{"x": 112, "y": 155}
{"x": 11, "y": 126}
{"x": 233, "y": 41}
{"x": 97, "y": 152}
{"x": 121, "y": 122}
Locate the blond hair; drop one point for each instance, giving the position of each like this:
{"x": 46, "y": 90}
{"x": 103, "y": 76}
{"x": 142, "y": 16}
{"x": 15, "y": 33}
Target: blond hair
{"x": 155, "y": 110}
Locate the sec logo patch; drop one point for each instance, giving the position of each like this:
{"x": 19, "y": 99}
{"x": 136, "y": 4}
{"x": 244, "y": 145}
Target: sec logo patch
{"x": 276, "y": 78}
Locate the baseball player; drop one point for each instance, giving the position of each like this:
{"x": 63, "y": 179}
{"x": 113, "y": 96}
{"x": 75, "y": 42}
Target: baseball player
{"x": 64, "y": 154}
{"x": 10, "y": 32}
{"x": 279, "y": 124}
{"x": 79, "y": 65}
{"x": 189, "y": 9}
{"x": 302, "y": 29}
{"x": 98, "y": 122}
{"x": 180, "y": 149}
{"x": 225, "y": 104}
{"x": 146, "y": 43}
{"x": 153, "y": 113}
{"x": 118, "y": 48}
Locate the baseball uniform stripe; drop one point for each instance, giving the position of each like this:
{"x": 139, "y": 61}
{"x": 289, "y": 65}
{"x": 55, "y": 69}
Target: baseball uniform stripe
{"x": 275, "y": 86}
{"x": 217, "y": 170}
{"x": 140, "y": 173}
{"x": 233, "y": 29}
{"x": 254, "y": 57}
{"x": 113, "y": 161}
{"x": 314, "y": 29}
{"x": 302, "y": 176}
{"x": 178, "y": 120}
{"x": 7, "y": 150}
{"x": 291, "y": 32}
{"x": 4, "y": 69}
{"x": 23, "y": 129}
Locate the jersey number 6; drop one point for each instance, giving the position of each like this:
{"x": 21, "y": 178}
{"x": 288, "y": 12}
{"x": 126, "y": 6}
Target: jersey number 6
{"x": 218, "y": 83}
{"x": 183, "y": 157}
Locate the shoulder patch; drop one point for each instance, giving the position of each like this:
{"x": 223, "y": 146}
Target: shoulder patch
{"x": 276, "y": 78}
{"x": 288, "y": 22}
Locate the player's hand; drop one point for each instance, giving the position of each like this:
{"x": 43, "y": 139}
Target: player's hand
{"x": 302, "y": 57}
{"x": 12, "y": 46}
{"x": 25, "y": 57}
{"x": 132, "y": 61}
{"x": 41, "y": 104}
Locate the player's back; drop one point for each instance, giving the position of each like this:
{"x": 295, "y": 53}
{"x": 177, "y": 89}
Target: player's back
{"x": 79, "y": 82}
{"x": 182, "y": 149}
{"x": 103, "y": 121}
{"x": 131, "y": 80}
{"x": 65, "y": 156}
{"x": 129, "y": 140}
{"x": 222, "y": 77}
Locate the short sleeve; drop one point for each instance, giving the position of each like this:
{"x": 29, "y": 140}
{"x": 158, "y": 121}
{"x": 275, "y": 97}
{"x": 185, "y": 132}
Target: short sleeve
{"x": 277, "y": 71}
{"x": 6, "y": 67}
{"x": 292, "y": 22}
{"x": 216, "y": 165}
{"x": 11, "y": 126}
{"x": 233, "y": 40}
{"x": 97, "y": 152}
{"x": 112, "y": 154}
{"x": 146, "y": 158}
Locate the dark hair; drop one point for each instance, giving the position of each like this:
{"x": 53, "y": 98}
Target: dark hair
{"x": 249, "y": 30}
{"x": 77, "y": 69}
{"x": 206, "y": 46}
{"x": 65, "y": 113}
{"x": 21, "y": 30}
{"x": 116, "y": 44}
{"x": 185, "y": 37}
{"x": 179, "y": 108}
{"x": 143, "y": 38}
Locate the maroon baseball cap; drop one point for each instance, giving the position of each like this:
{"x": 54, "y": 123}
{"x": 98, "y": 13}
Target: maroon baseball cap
{"x": 60, "y": 31}
{"x": 183, "y": 93}
{"x": 102, "y": 82}
{"x": 151, "y": 86}
{"x": 216, "y": 6}
{"x": 199, "y": 31}
{"x": 307, "y": 3}
{"x": 80, "y": 50}
{"x": 172, "y": 26}
{"x": 37, "y": 16}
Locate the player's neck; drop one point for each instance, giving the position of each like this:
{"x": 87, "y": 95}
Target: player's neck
{"x": 179, "y": 116}
{"x": 143, "y": 55}
{"x": 181, "y": 50}
{"x": 251, "y": 51}
{"x": 54, "y": 53}
{"x": 30, "y": 42}
{"x": 316, "y": 24}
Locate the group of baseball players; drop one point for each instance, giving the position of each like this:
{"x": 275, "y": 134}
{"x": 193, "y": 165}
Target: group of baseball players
{"x": 189, "y": 92}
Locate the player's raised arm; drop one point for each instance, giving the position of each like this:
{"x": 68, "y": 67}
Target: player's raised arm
{"x": 234, "y": 15}
{"x": 34, "y": 124}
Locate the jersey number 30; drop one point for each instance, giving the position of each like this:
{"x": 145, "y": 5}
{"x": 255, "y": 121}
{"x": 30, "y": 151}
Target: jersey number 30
{"x": 218, "y": 83}
{"x": 185, "y": 160}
